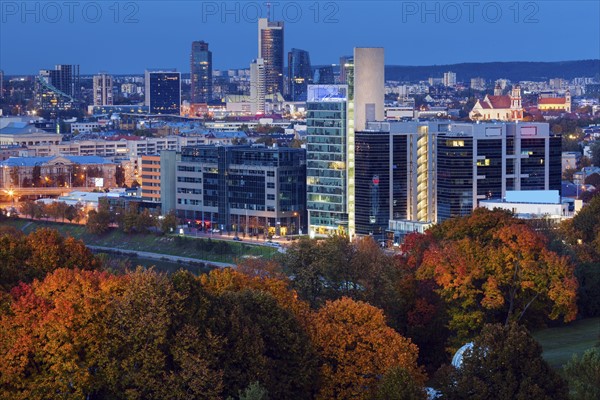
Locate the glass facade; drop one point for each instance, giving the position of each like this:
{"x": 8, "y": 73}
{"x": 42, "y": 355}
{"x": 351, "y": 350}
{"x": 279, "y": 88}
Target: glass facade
{"x": 271, "y": 51}
{"x": 372, "y": 180}
{"x": 326, "y": 166}
{"x": 489, "y": 168}
{"x": 555, "y": 167}
{"x": 201, "y": 73}
{"x": 400, "y": 174}
{"x": 165, "y": 92}
{"x": 324, "y": 76}
{"x": 533, "y": 153}
{"x": 243, "y": 188}
{"x": 299, "y": 74}
{"x": 454, "y": 176}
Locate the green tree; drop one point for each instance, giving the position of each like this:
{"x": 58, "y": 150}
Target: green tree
{"x": 99, "y": 220}
{"x": 504, "y": 363}
{"x": 398, "y": 384}
{"x": 36, "y": 176}
{"x": 255, "y": 392}
{"x": 169, "y": 222}
{"x": 583, "y": 375}
{"x": 264, "y": 343}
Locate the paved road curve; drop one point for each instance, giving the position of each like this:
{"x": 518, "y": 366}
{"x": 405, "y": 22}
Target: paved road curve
{"x": 158, "y": 256}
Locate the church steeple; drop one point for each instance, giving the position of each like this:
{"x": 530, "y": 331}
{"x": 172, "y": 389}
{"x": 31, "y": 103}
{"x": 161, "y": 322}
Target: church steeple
{"x": 498, "y": 90}
{"x": 515, "y": 97}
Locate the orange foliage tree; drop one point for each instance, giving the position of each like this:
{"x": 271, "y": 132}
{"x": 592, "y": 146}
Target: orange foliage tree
{"x": 491, "y": 268}
{"x": 357, "y": 348}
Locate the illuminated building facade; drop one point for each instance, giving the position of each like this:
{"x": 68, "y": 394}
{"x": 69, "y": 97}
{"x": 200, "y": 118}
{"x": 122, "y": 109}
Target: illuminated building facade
{"x": 163, "y": 92}
{"x": 201, "y": 73}
{"x": 270, "y": 49}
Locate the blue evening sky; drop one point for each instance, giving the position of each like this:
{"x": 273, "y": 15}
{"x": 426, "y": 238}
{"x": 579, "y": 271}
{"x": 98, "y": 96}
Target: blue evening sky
{"x": 129, "y": 36}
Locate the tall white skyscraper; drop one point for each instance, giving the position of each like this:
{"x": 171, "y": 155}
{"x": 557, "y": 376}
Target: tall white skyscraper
{"x": 369, "y": 90}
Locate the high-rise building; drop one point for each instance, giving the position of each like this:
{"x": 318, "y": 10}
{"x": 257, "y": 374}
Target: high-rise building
{"x": 66, "y": 79}
{"x": 327, "y": 158}
{"x": 299, "y": 74}
{"x": 257, "y": 86}
{"x": 58, "y": 89}
{"x": 477, "y": 83}
{"x": 369, "y": 86}
{"x": 270, "y": 49}
{"x": 103, "y": 90}
{"x": 449, "y": 79}
{"x": 346, "y": 63}
{"x": 382, "y": 180}
{"x": 163, "y": 91}
{"x": 324, "y": 76}
{"x": 443, "y": 169}
{"x": 201, "y": 73}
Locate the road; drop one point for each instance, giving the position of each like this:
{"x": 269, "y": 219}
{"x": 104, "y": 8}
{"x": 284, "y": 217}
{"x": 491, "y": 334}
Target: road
{"x": 158, "y": 256}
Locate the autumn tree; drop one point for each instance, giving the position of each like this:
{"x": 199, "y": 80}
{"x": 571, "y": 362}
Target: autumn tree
{"x": 504, "y": 363}
{"x": 356, "y": 348}
{"x": 24, "y": 258}
{"x": 493, "y": 269}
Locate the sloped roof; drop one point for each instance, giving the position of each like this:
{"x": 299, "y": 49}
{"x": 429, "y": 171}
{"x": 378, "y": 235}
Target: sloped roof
{"x": 552, "y": 100}
{"x": 499, "y": 101}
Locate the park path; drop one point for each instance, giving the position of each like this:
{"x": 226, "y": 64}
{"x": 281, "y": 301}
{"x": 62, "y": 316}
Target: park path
{"x": 158, "y": 256}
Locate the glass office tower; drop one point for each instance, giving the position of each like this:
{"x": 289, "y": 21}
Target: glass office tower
{"x": 163, "y": 92}
{"x": 327, "y": 179}
{"x": 299, "y": 74}
{"x": 201, "y": 73}
{"x": 270, "y": 49}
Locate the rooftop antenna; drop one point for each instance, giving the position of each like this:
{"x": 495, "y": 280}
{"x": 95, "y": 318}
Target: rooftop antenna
{"x": 269, "y": 11}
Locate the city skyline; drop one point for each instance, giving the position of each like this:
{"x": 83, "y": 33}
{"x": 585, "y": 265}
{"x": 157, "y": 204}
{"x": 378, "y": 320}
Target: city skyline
{"x": 413, "y": 33}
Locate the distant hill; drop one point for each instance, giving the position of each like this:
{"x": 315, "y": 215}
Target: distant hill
{"x": 514, "y": 71}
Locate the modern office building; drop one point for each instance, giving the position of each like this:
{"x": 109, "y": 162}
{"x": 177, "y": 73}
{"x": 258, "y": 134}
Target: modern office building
{"x": 103, "y": 90}
{"x": 448, "y": 167}
{"x": 270, "y": 49}
{"x": 242, "y": 189}
{"x": 201, "y": 73}
{"x": 258, "y": 76}
{"x": 327, "y": 122}
{"x": 299, "y": 74}
{"x": 163, "y": 91}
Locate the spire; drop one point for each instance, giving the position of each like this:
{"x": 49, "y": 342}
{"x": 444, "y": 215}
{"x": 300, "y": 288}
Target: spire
{"x": 498, "y": 90}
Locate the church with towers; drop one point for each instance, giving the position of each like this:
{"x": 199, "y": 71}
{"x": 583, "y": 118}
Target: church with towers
{"x": 499, "y": 107}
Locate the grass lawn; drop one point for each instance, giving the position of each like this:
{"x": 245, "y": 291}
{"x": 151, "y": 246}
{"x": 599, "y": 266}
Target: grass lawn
{"x": 203, "y": 249}
{"x": 560, "y": 344}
